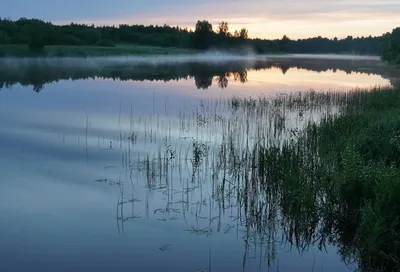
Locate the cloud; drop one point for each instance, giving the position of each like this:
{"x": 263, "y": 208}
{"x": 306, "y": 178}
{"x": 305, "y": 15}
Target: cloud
{"x": 266, "y": 18}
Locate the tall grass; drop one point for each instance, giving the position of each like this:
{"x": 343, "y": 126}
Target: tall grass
{"x": 306, "y": 169}
{"x": 338, "y": 180}
{"x": 345, "y": 173}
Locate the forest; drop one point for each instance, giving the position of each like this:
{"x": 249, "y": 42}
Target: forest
{"x": 36, "y": 34}
{"x": 391, "y": 52}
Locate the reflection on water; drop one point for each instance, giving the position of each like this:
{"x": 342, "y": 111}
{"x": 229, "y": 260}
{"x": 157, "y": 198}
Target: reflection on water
{"x": 100, "y": 176}
{"x": 40, "y": 72}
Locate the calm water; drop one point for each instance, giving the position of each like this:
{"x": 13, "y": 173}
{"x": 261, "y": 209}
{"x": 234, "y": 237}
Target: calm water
{"x": 120, "y": 164}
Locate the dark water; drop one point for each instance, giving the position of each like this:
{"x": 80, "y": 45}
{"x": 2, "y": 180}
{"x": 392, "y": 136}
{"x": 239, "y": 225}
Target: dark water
{"x": 109, "y": 165}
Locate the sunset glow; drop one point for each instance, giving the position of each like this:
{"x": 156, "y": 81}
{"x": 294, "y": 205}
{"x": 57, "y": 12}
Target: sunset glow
{"x": 264, "y": 19}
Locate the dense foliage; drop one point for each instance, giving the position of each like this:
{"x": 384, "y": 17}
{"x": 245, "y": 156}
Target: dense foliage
{"x": 392, "y": 50}
{"x": 36, "y": 34}
{"x": 360, "y": 154}
{"x": 338, "y": 180}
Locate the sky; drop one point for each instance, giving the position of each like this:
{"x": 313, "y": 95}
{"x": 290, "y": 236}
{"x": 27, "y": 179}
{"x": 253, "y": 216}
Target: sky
{"x": 263, "y": 18}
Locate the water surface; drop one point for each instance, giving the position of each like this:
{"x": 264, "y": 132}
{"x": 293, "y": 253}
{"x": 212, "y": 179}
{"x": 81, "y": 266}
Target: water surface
{"x": 139, "y": 164}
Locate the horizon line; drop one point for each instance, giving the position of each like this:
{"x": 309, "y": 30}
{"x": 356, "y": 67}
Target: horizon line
{"x": 98, "y": 23}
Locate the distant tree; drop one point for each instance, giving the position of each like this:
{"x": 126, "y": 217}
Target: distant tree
{"x": 284, "y": 44}
{"x": 223, "y": 28}
{"x": 203, "y": 35}
{"x": 244, "y": 34}
{"x": 36, "y": 34}
{"x": 392, "y": 50}
{"x": 204, "y": 26}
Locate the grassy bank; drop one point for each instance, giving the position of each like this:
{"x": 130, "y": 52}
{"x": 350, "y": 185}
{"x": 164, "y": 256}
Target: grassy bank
{"x": 362, "y": 149}
{"x": 342, "y": 177}
{"x": 298, "y": 180}
{"x": 89, "y": 51}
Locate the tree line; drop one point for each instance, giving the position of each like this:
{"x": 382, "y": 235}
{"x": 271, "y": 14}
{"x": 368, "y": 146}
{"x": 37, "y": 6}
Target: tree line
{"x": 36, "y": 34}
{"x": 391, "y": 51}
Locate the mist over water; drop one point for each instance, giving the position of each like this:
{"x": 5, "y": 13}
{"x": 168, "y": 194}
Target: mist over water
{"x": 214, "y": 57}
{"x": 208, "y": 57}
{"x": 281, "y": 73}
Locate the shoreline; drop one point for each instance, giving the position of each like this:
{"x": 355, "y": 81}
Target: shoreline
{"x": 58, "y": 51}
{"x": 67, "y": 51}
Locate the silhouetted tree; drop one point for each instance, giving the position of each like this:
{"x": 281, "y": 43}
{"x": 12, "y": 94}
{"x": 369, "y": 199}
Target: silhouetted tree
{"x": 203, "y": 35}
{"x": 284, "y": 43}
{"x": 204, "y": 26}
{"x": 223, "y": 28}
{"x": 244, "y": 33}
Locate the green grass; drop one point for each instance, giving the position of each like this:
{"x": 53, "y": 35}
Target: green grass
{"x": 89, "y": 51}
{"x": 338, "y": 181}
{"x": 366, "y": 152}
{"x": 346, "y": 172}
